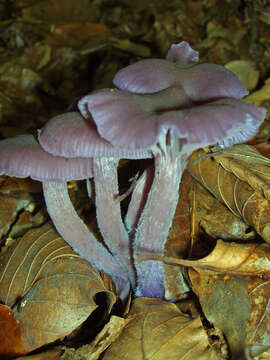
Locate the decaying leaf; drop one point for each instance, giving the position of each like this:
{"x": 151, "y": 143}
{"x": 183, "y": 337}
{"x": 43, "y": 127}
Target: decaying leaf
{"x": 227, "y": 258}
{"x": 233, "y": 287}
{"x": 18, "y": 202}
{"x": 226, "y": 304}
{"x": 240, "y": 178}
{"x": 61, "y": 12}
{"x": 103, "y": 340}
{"x": 158, "y": 330}
{"x": 78, "y": 35}
{"x": 49, "y": 288}
{"x": 178, "y": 242}
{"x": 53, "y": 354}
{"x": 216, "y": 219}
{"x": 238, "y": 305}
{"x": 196, "y": 209}
{"x": 11, "y": 333}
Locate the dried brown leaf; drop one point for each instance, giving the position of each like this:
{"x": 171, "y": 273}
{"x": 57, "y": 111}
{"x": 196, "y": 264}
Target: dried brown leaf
{"x": 10, "y": 336}
{"x": 240, "y": 178}
{"x": 238, "y": 305}
{"x": 178, "y": 242}
{"x": 53, "y": 354}
{"x": 227, "y": 258}
{"x": 226, "y": 304}
{"x": 233, "y": 287}
{"x": 50, "y": 289}
{"x": 158, "y": 330}
{"x": 216, "y": 219}
{"x": 61, "y": 12}
{"x": 17, "y": 202}
{"x": 76, "y": 35}
{"x": 103, "y": 340}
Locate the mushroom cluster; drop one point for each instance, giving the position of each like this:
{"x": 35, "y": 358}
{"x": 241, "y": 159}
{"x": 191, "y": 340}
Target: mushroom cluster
{"x": 160, "y": 109}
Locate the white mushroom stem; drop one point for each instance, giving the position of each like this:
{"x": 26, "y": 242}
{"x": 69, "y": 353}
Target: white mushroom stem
{"x": 108, "y": 213}
{"x": 156, "y": 218}
{"x": 77, "y": 235}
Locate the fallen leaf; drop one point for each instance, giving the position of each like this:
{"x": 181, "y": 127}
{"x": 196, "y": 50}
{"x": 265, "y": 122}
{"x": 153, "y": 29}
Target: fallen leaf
{"x": 239, "y": 177}
{"x": 227, "y": 258}
{"x": 158, "y": 330}
{"x": 216, "y": 219}
{"x": 78, "y": 35}
{"x": 11, "y": 343}
{"x": 103, "y": 340}
{"x": 53, "y": 354}
{"x": 237, "y": 304}
{"x": 178, "y": 242}
{"x": 233, "y": 288}
{"x": 61, "y": 12}
{"x": 15, "y": 202}
{"x": 226, "y": 304}
{"x": 50, "y": 289}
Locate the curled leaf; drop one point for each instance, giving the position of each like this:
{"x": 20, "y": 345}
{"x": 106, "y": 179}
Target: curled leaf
{"x": 237, "y": 304}
{"x": 50, "y": 289}
{"x": 240, "y": 178}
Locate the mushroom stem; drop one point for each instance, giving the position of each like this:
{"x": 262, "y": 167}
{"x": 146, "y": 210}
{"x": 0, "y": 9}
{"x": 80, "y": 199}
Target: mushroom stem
{"x": 108, "y": 213}
{"x": 77, "y": 235}
{"x": 156, "y": 218}
{"x": 138, "y": 199}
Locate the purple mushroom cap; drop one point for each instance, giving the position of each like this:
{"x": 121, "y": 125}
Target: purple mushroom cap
{"x": 22, "y": 156}
{"x": 168, "y": 107}
{"x": 198, "y": 103}
{"x": 70, "y": 135}
{"x": 136, "y": 121}
{"x": 200, "y": 82}
{"x": 182, "y": 53}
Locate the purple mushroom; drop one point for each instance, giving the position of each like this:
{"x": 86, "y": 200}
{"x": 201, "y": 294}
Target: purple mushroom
{"x": 22, "y": 156}
{"x": 70, "y": 135}
{"x": 169, "y": 108}
{"x": 163, "y": 109}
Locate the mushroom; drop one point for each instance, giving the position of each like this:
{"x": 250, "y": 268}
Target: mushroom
{"x": 169, "y": 108}
{"x": 70, "y": 135}
{"x": 163, "y": 109}
{"x": 22, "y": 156}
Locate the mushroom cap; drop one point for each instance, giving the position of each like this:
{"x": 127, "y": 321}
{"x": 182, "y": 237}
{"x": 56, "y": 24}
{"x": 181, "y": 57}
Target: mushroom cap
{"x": 22, "y": 156}
{"x": 198, "y": 103}
{"x": 70, "y": 135}
{"x": 200, "y": 82}
{"x": 182, "y": 53}
{"x": 135, "y": 121}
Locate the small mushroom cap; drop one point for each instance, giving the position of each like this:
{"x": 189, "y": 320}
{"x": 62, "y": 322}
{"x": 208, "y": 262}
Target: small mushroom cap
{"x": 137, "y": 121}
{"x": 70, "y": 135}
{"x": 202, "y": 82}
{"x": 22, "y": 156}
{"x": 182, "y": 53}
